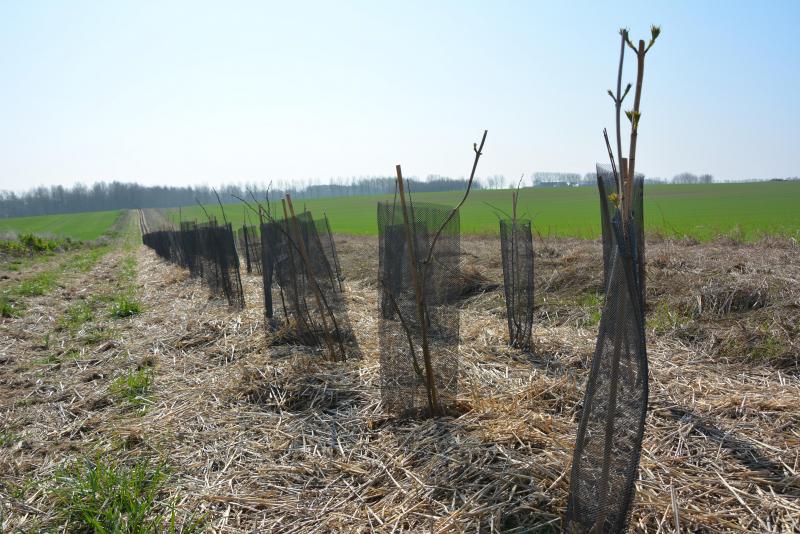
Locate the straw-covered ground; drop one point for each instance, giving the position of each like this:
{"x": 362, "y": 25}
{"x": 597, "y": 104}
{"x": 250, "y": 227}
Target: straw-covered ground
{"x": 188, "y": 407}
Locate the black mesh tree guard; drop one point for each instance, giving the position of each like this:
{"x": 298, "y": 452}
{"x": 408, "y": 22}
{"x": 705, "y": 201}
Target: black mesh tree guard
{"x": 189, "y": 241}
{"x": 249, "y": 247}
{"x": 329, "y": 246}
{"x": 402, "y": 372}
{"x": 209, "y": 269}
{"x": 516, "y": 248}
{"x": 606, "y": 178}
{"x": 208, "y": 251}
{"x": 312, "y": 299}
{"x": 226, "y": 260}
{"x": 270, "y": 239}
{"x": 241, "y": 248}
{"x": 609, "y": 441}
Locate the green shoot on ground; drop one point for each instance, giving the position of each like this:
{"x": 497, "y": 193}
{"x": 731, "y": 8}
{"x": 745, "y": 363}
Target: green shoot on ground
{"x": 76, "y": 316}
{"x": 133, "y": 387}
{"x": 125, "y": 306}
{"x": 107, "y": 497}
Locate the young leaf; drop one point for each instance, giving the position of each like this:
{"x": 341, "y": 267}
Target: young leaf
{"x": 655, "y": 31}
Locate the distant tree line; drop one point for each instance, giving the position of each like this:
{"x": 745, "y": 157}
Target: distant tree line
{"x": 590, "y": 179}
{"x": 689, "y": 178}
{"x": 116, "y": 195}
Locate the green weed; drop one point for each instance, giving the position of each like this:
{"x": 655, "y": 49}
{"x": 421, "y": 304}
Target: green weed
{"x": 758, "y": 344}
{"x": 8, "y": 308}
{"x": 26, "y": 486}
{"x": 128, "y": 267}
{"x": 125, "y": 306}
{"x": 105, "y": 497}
{"x": 133, "y": 387}
{"x": 96, "y": 334}
{"x": 8, "y": 437}
{"x": 40, "y": 284}
{"x": 86, "y": 260}
{"x": 662, "y": 319}
{"x": 593, "y": 302}
{"x": 50, "y": 359}
{"x": 76, "y": 316}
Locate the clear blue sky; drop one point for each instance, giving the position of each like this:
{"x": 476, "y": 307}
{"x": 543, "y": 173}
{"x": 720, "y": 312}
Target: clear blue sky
{"x": 191, "y": 92}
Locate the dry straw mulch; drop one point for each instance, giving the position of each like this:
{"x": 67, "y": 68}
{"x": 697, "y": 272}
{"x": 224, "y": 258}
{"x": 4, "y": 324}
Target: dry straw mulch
{"x": 264, "y": 437}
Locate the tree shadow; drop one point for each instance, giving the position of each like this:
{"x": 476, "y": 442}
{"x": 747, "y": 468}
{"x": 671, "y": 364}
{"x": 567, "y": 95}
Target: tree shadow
{"x": 747, "y": 453}
{"x": 494, "y": 487}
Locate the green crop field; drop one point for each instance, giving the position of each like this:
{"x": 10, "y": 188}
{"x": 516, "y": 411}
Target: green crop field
{"x": 84, "y": 226}
{"x": 746, "y": 211}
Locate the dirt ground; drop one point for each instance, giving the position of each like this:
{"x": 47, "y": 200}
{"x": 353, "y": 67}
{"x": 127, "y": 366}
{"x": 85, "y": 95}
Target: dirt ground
{"x": 258, "y": 437}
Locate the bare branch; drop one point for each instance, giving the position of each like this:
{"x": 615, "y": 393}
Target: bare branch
{"x": 220, "y": 205}
{"x": 247, "y": 203}
{"x": 203, "y": 208}
{"x": 611, "y": 157}
{"x": 478, "y": 153}
{"x": 628, "y": 88}
{"x": 618, "y": 102}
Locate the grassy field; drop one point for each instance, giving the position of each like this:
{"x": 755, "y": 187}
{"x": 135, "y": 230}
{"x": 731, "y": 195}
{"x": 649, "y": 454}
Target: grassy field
{"x": 84, "y": 226}
{"x": 744, "y": 211}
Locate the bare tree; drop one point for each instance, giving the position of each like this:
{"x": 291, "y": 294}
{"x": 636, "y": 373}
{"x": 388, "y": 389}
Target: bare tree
{"x": 421, "y": 262}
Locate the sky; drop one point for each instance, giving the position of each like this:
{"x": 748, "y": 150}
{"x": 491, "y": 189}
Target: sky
{"x": 181, "y": 93}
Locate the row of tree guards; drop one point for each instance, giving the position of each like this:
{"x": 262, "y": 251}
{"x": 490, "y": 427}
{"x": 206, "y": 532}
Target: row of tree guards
{"x": 419, "y": 257}
{"x": 208, "y": 251}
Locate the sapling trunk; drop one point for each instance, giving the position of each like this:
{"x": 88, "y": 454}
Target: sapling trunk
{"x": 514, "y": 325}
{"x": 430, "y": 381}
{"x": 420, "y": 270}
{"x": 635, "y": 115}
{"x": 321, "y": 307}
{"x": 622, "y": 284}
{"x": 618, "y": 107}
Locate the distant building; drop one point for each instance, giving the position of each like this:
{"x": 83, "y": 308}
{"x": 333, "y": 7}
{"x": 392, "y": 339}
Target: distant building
{"x": 558, "y": 179}
{"x": 552, "y": 184}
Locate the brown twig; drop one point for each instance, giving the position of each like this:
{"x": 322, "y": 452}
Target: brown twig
{"x": 478, "y": 152}
{"x": 225, "y": 219}
{"x": 618, "y": 98}
{"x": 635, "y": 115}
{"x": 203, "y": 208}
